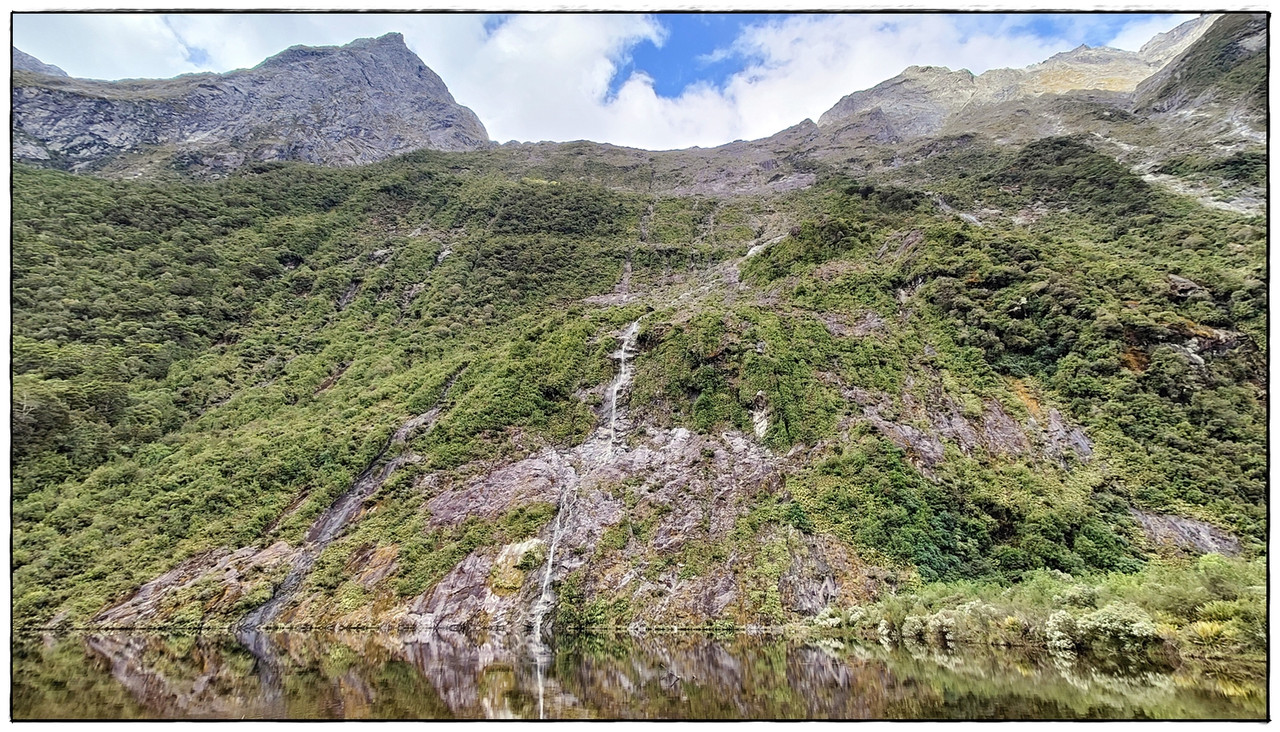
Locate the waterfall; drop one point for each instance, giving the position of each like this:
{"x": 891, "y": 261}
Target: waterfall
{"x": 546, "y": 598}
{"x": 568, "y": 490}
{"x": 622, "y": 380}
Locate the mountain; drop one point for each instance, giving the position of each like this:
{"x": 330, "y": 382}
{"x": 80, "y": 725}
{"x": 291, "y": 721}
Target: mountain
{"x": 349, "y": 105}
{"x": 27, "y": 62}
{"x": 1227, "y": 63}
{"x": 979, "y": 358}
{"x": 921, "y": 100}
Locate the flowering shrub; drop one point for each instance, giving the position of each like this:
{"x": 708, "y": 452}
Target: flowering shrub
{"x": 1060, "y": 632}
{"x": 1120, "y": 625}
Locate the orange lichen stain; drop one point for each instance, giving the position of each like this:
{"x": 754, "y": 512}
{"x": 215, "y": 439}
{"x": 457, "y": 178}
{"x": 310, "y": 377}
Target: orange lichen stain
{"x": 1029, "y": 399}
{"x": 1135, "y": 359}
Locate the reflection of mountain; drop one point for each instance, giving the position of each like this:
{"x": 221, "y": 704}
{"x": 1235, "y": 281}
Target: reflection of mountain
{"x": 448, "y": 675}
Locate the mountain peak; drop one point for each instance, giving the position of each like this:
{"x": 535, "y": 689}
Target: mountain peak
{"x": 26, "y": 62}
{"x": 336, "y": 105}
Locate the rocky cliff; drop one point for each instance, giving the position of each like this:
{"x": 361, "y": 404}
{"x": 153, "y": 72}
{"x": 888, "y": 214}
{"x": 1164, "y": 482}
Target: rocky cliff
{"x": 27, "y": 62}
{"x": 349, "y": 105}
{"x": 921, "y": 100}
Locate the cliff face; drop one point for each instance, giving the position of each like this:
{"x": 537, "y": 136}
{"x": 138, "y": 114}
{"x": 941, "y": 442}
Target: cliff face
{"x": 349, "y": 105}
{"x": 1224, "y": 66}
{"x": 27, "y": 62}
{"x": 921, "y": 100}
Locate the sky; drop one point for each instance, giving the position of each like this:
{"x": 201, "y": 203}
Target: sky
{"x": 655, "y": 81}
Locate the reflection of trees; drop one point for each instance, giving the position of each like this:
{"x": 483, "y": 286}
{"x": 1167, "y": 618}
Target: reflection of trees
{"x": 448, "y": 674}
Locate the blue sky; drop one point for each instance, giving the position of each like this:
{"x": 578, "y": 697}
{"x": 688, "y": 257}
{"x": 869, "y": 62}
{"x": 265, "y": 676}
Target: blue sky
{"x": 646, "y": 80}
{"x": 687, "y": 54}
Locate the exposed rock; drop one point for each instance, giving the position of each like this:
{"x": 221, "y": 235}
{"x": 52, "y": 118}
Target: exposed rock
{"x": 1164, "y": 47}
{"x": 27, "y": 62}
{"x": 920, "y": 428}
{"x": 1183, "y": 287}
{"x": 810, "y": 582}
{"x": 1185, "y": 533}
{"x": 921, "y": 100}
{"x": 868, "y": 323}
{"x": 1186, "y": 83}
{"x": 1062, "y": 437}
{"x": 146, "y": 606}
{"x": 358, "y": 103}
{"x": 1000, "y": 434}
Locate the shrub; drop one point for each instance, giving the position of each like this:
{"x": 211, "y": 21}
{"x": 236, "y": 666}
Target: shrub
{"x": 1060, "y": 632}
{"x": 1120, "y": 625}
{"x": 1207, "y": 632}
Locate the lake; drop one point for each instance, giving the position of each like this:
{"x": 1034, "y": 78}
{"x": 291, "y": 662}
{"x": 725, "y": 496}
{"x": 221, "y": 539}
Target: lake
{"x": 448, "y": 675}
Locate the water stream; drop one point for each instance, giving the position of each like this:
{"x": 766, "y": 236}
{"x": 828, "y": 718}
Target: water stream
{"x": 568, "y": 492}
{"x": 335, "y": 518}
{"x": 622, "y": 380}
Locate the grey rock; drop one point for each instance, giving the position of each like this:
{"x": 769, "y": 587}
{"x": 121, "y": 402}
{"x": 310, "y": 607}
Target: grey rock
{"x": 349, "y": 105}
{"x": 1183, "y": 287}
{"x": 1165, "y": 47}
{"x": 1062, "y": 437}
{"x": 26, "y": 62}
{"x": 1185, "y": 533}
{"x": 923, "y": 99}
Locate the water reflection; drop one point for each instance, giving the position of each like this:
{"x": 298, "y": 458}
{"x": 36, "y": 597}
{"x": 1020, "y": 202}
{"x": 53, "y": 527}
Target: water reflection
{"x": 254, "y": 675}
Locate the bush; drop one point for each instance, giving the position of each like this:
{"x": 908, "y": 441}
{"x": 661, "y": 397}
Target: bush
{"x": 1060, "y": 632}
{"x": 1120, "y": 625}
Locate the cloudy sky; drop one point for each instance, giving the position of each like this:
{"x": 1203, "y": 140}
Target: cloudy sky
{"x": 655, "y": 81}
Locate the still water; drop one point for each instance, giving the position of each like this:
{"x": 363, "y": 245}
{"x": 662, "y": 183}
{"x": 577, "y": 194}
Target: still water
{"x": 448, "y": 675}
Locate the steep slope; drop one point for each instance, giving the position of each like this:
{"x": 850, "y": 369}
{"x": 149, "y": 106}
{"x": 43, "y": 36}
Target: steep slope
{"x": 533, "y": 388}
{"x": 27, "y": 62}
{"x": 662, "y": 409}
{"x": 1227, "y": 64}
{"x": 359, "y": 103}
{"x": 921, "y": 100}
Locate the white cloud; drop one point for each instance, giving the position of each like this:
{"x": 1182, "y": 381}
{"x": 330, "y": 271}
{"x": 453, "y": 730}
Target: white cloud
{"x": 1136, "y": 34}
{"x": 547, "y": 77}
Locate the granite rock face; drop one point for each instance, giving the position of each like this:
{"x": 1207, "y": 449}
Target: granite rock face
{"x": 26, "y": 62}
{"x": 349, "y": 105}
{"x": 921, "y": 100}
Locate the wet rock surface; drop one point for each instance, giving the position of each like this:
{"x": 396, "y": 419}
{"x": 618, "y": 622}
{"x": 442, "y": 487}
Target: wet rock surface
{"x": 1187, "y": 534}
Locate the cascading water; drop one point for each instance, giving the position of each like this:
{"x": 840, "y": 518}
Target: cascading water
{"x": 623, "y": 378}
{"x": 568, "y": 491}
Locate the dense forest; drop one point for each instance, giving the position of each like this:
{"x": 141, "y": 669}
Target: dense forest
{"x": 204, "y": 365}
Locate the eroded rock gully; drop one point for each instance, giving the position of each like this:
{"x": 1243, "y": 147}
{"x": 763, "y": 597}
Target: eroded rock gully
{"x": 669, "y": 501}
{"x": 234, "y": 569}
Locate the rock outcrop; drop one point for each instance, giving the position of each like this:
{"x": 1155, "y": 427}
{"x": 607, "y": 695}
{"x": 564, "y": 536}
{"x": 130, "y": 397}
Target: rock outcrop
{"x": 1227, "y": 60}
{"x": 26, "y": 62}
{"x": 921, "y": 100}
{"x": 348, "y": 105}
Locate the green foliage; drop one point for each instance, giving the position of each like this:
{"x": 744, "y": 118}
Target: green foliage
{"x": 205, "y": 365}
{"x": 1244, "y": 167}
{"x": 1213, "y": 606}
{"x": 198, "y": 365}
{"x": 1064, "y": 169}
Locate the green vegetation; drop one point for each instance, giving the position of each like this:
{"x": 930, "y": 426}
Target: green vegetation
{"x": 210, "y": 365}
{"x": 1240, "y": 167}
{"x": 1218, "y": 63}
{"x": 1211, "y": 607}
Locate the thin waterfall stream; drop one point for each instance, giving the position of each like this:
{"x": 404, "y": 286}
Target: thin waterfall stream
{"x": 609, "y": 435}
